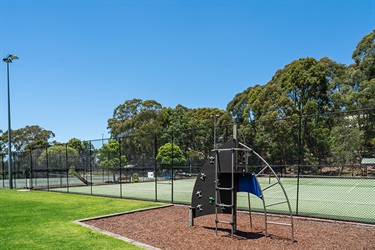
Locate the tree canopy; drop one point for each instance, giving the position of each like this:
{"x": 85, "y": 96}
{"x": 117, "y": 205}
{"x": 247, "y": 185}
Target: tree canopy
{"x": 29, "y": 137}
{"x": 58, "y": 157}
{"x": 302, "y": 97}
{"x": 170, "y": 155}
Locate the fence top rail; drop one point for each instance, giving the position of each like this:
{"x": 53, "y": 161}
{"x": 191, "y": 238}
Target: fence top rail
{"x": 231, "y": 149}
{"x": 326, "y": 176}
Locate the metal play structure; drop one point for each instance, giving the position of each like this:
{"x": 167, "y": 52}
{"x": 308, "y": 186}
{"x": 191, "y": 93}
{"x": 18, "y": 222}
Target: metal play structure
{"x": 225, "y": 174}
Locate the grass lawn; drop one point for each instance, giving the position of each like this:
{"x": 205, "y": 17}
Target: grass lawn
{"x": 43, "y": 220}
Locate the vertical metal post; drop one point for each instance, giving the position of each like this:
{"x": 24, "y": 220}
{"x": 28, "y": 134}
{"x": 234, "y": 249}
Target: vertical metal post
{"x": 215, "y": 132}
{"x": 235, "y": 131}
{"x": 102, "y": 147}
{"x": 234, "y": 205}
{"x": 8, "y": 60}
{"x": 119, "y": 148}
{"x": 299, "y": 160}
{"x": 216, "y": 188}
{"x": 67, "y": 167}
{"x": 31, "y": 169}
{"x": 155, "y": 168}
{"x": 27, "y": 175}
{"x": 47, "y": 168}
{"x": 226, "y": 133}
{"x": 2, "y": 168}
{"x": 108, "y": 167}
{"x": 172, "y": 172}
{"x": 60, "y": 167}
{"x": 90, "y": 162}
{"x": 17, "y": 168}
{"x": 10, "y": 170}
{"x": 234, "y": 169}
{"x": 215, "y": 129}
{"x": 248, "y": 200}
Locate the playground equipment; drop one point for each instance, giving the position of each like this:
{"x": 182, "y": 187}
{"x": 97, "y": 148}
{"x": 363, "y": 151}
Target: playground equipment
{"x": 225, "y": 174}
{"x": 76, "y": 174}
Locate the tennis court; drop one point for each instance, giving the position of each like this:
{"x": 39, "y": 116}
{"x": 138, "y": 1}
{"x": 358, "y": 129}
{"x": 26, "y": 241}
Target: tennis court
{"x": 324, "y": 197}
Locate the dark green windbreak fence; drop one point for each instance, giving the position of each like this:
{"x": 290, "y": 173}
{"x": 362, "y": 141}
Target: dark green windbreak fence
{"x": 317, "y": 157}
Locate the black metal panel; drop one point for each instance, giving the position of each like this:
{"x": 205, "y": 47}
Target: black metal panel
{"x": 203, "y": 202}
{"x": 225, "y": 157}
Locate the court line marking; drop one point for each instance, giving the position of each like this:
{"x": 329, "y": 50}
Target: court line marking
{"x": 351, "y": 189}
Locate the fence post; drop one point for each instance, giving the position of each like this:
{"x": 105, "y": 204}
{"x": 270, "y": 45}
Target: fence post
{"x": 67, "y": 168}
{"x": 155, "y": 167}
{"x": 119, "y": 149}
{"x": 90, "y": 161}
{"x": 26, "y": 169}
{"x": 299, "y": 159}
{"x": 60, "y": 166}
{"x": 2, "y": 169}
{"x": 31, "y": 169}
{"x": 90, "y": 165}
{"x": 172, "y": 172}
{"x": 47, "y": 169}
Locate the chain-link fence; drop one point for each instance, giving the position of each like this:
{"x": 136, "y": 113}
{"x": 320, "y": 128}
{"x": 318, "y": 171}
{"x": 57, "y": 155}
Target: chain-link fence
{"x": 319, "y": 159}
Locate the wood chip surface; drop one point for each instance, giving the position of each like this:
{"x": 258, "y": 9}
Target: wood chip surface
{"x": 168, "y": 228}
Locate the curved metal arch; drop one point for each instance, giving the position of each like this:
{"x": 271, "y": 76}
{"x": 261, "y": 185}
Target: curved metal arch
{"x": 278, "y": 182}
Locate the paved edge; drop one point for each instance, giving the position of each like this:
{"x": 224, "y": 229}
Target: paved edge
{"x": 140, "y": 244}
{"x": 122, "y": 213}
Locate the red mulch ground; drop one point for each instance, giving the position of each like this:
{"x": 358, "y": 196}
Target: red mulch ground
{"x": 167, "y": 228}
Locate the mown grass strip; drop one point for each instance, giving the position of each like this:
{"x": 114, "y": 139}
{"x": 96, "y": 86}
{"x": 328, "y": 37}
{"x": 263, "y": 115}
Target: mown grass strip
{"x": 44, "y": 220}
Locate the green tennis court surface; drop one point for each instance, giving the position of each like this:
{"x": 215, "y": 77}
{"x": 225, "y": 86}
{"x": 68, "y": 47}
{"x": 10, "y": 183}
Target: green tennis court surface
{"x": 336, "y": 198}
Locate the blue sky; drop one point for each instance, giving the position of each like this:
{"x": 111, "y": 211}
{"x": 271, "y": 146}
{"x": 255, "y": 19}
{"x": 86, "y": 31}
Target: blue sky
{"x": 80, "y": 59}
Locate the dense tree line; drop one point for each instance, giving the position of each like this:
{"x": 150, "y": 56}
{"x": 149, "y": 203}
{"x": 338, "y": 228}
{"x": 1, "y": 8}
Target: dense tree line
{"x": 308, "y": 103}
{"x": 302, "y": 115}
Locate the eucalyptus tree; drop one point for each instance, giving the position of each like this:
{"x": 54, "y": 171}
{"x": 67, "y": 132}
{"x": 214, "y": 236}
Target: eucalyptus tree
{"x": 267, "y": 109}
{"x": 275, "y": 113}
{"x": 307, "y": 82}
{"x": 236, "y": 107}
{"x": 356, "y": 91}
{"x": 363, "y": 81}
{"x": 110, "y": 157}
{"x": 134, "y": 116}
{"x": 364, "y": 56}
{"x": 29, "y": 137}
{"x": 2, "y": 144}
{"x": 132, "y": 121}
{"x": 86, "y": 151}
{"x": 346, "y": 141}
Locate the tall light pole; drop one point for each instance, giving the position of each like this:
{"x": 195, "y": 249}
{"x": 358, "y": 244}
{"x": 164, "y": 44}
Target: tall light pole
{"x": 7, "y": 60}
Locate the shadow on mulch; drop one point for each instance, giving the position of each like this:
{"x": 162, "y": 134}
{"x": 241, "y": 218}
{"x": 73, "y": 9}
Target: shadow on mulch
{"x": 240, "y": 234}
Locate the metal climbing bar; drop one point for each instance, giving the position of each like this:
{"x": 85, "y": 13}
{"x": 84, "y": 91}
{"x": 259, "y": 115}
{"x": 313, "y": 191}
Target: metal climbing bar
{"x": 264, "y": 189}
{"x": 261, "y": 171}
{"x": 276, "y": 203}
{"x": 216, "y": 182}
{"x": 224, "y": 222}
{"x": 282, "y": 187}
{"x": 224, "y": 189}
{"x": 224, "y": 205}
